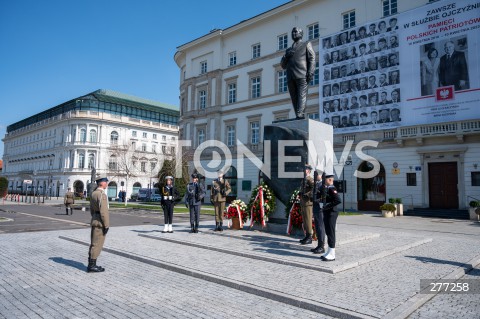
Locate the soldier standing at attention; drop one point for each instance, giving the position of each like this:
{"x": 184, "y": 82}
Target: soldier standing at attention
{"x": 169, "y": 196}
{"x": 306, "y": 204}
{"x": 330, "y": 215}
{"x": 318, "y": 194}
{"x": 193, "y": 200}
{"x": 69, "y": 200}
{"x": 218, "y": 196}
{"x": 100, "y": 224}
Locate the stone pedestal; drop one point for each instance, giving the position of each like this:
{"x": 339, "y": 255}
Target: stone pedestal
{"x": 294, "y": 143}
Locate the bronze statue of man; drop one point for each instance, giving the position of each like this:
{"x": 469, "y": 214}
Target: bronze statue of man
{"x": 299, "y": 61}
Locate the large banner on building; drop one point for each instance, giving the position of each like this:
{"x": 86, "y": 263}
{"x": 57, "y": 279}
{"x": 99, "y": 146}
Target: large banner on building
{"x": 418, "y": 67}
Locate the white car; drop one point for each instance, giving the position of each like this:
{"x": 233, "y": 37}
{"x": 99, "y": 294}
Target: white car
{"x": 155, "y": 198}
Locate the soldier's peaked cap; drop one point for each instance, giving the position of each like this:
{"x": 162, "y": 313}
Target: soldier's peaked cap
{"x": 169, "y": 177}
{"x": 102, "y": 179}
{"x": 308, "y": 166}
{"x": 194, "y": 175}
{"x": 329, "y": 176}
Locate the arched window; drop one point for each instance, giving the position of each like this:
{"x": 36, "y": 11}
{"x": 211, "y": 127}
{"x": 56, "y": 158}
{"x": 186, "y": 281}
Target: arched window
{"x": 136, "y": 187}
{"x": 114, "y": 137}
{"x": 81, "y": 160}
{"x": 83, "y": 135}
{"x": 112, "y": 190}
{"x": 93, "y": 136}
{"x": 91, "y": 160}
{"x": 231, "y": 177}
{"x": 371, "y": 192}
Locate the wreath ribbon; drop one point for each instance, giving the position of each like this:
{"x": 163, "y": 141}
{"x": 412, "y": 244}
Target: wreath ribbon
{"x": 239, "y": 216}
{"x": 262, "y": 209}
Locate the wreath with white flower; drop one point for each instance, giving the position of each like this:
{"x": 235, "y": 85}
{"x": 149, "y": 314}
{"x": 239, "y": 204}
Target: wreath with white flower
{"x": 236, "y": 208}
{"x": 254, "y": 207}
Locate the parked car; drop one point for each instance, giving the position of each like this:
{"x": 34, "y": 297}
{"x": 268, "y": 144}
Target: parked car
{"x": 155, "y": 198}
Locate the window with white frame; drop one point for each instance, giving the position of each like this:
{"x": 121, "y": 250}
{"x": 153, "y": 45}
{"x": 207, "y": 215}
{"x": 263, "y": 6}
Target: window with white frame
{"x": 91, "y": 160}
{"x": 254, "y": 132}
{"x": 143, "y": 167}
{"x": 153, "y": 165}
{"x": 154, "y": 136}
{"x": 203, "y": 67}
{"x": 282, "y": 81}
{"x": 282, "y": 42}
{"x": 232, "y": 93}
{"x": 389, "y": 7}
{"x": 313, "y": 31}
{"x": 112, "y": 162}
{"x": 256, "y": 87}
{"x": 114, "y": 137}
{"x": 315, "y": 79}
{"x": 348, "y": 19}
{"x": 144, "y": 147}
{"x": 134, "y": 133}
{"x": 93, "y": 136}
{"x": 232, "y": 58}
{"x": 134, "y": 146}
{"x": 200, "y": 136}
{"x": 256, "y": 51}
{"x": 164, "y": 137}
{"x": 154, "y": 148}
{"x": 231, "y": 135}
{"x": 81, "y": 160}
{"x": 172, "y": 150}
{"x": 144, "y": 134}
{"x": 164, "y": 149}
{"x": 83, "y": 135}
{"x": 202, "y": 99}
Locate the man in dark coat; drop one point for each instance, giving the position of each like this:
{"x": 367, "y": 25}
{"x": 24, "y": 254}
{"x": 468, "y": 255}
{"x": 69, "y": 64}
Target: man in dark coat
{"x": 453, "y": 68}
{"x": 299, "y": 61}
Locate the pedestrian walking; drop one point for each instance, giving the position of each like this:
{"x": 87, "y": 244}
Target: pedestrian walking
{"x": 69, "y": 200}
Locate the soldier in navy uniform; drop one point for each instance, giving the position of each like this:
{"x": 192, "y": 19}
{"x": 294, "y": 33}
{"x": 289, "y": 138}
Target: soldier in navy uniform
{"x": 318, "y": 190}
{"x": 193, "y": 200}
{"x": 330, "y": 201}
{"x": 169, "y": 196}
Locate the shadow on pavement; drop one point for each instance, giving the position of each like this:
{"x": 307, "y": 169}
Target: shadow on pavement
{"x": 69, "y": 262}
{"x": 428, "y": 260}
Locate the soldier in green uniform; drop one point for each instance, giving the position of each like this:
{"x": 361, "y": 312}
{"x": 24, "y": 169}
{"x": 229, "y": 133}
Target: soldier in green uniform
{"x": 218, "y": 196}
{"x": 69, "y": 200}
{"x": 306, "y": 204}
{"x": 100, "y": 223}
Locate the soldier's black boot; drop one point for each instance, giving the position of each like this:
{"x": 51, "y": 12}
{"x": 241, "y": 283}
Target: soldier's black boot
{"x": 307, "y": 240}
{"x": 92, "y": 266}
{"x": 304, "y": 239}
{"x": 66, "y": 210}
{"x": 196, "y": 228}
{"x": 216, "y": 227}
{"x": 220, "y": 226}
{"x": 71, "y": 211}
{"x": 192, "y": 228}
{"x": 319, "y": 249}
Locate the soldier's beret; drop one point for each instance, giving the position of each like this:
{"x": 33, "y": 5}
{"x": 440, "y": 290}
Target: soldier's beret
{"x": 308, "y": 166}
{"x": 102, "y": 179}
{"x": 194, "y": 175}
{"x": 329, "y": 176}
{"x": 169, "y": 177}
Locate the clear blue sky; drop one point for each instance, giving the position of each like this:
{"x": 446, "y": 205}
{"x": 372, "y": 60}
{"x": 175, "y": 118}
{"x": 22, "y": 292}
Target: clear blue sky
{"x": 55, "y": 50}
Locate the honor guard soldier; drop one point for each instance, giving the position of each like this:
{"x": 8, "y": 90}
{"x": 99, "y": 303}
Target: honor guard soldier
{"x": 330, "y": 201}
{"x": 318, "y": 195}
{"x": 305, "y": 194}
{"x": 218, "y": 196}
{"x": 193, "y": 200}
{"x": 100, "y": 223}
{"x": 169, "y": 196}
{"x": 69, "y": 200}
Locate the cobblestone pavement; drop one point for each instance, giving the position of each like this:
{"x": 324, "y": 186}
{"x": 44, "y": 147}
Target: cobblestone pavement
{"x": 154, "y": 275}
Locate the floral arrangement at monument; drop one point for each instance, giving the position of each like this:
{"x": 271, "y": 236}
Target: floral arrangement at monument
{"x": 261, "y": 204}
{"x": 294, "y": 215}
{"x": 238, "y": 209}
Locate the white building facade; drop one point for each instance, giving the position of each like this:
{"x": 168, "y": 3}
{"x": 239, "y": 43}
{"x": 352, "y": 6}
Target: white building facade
{"x": 104, "y": 130}
{"x": 232, "y": 85}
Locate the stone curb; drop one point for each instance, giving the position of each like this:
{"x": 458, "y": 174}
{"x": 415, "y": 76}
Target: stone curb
{"x": 295, "y": 301}
{"x": 414, "y": 303}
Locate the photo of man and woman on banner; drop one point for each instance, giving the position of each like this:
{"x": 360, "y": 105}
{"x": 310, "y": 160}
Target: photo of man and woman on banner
{"x": 421, "y": 66}
{"x": 361, "y": 77}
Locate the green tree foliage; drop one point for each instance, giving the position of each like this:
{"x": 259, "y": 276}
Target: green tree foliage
{"x": 3, "y": 186}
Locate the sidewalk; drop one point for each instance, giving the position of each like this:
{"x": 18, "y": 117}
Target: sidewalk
{"x": 247, "y": 273}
